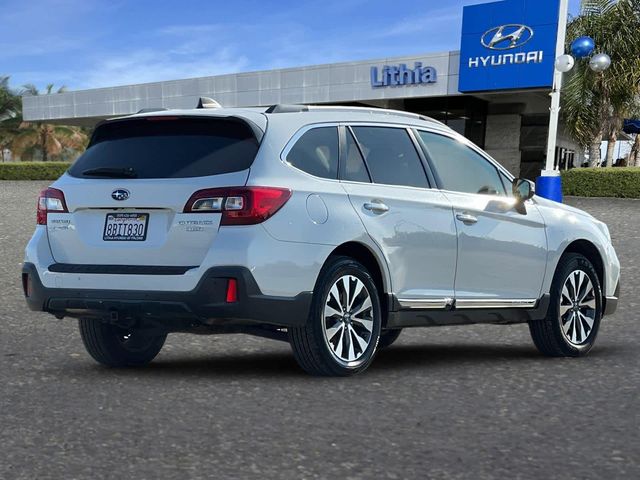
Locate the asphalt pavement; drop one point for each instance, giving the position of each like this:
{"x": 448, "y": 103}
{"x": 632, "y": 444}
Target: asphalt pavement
{"x": 457, "y": 402}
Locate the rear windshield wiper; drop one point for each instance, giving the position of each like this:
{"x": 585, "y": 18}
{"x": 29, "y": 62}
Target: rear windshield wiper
{"x": 112, "y": 172}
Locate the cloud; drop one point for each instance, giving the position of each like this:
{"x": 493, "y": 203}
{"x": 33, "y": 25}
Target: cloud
{"x": 39, "y": 27}
{"x": 422, "y": 23}
{"x": 190, "y": 30}
{"x": 148, "y": 65}
{"x": 100, "y": 43}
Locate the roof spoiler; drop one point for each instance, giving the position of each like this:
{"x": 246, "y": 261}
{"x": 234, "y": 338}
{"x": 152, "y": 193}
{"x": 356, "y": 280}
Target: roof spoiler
{"x": 206, "y": 102}
{"x": 152, "y": 109}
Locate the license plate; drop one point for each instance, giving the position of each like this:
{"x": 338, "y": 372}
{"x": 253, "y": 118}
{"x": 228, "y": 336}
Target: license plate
{"x": 125, "y": 227}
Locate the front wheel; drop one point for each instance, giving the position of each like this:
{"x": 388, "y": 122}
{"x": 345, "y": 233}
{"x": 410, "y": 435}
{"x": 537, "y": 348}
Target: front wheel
{"x": 341, "y": 334}
{"x": 573, "y": 319}
{"x": 115, "y": 346}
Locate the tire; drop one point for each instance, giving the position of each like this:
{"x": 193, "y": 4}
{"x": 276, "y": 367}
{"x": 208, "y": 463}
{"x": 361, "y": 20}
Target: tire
{"x": 571, "y": 325}
{"x": 114, "y": 346}
{"x": 388, "y": 338}
{"x": 341, "y": 334}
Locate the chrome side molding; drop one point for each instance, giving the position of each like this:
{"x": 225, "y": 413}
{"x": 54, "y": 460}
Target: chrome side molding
{"x": 465, "y": 303}
{"x": 425, "y": 303}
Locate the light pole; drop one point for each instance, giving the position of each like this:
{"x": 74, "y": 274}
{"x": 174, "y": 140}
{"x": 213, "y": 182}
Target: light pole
{"x": 549, "y": 183}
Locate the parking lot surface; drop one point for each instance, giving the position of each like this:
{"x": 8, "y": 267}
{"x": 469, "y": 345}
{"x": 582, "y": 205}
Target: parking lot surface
{"x": 457, "y": 402}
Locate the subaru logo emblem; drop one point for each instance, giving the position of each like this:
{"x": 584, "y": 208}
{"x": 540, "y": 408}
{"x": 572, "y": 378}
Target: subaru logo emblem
{"x": 120, "y": 194}
{"x": 506, "y": 37}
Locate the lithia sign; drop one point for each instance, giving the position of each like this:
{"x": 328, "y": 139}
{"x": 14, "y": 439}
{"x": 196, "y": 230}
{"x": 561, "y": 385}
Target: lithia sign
{"x": 397, "y": 75}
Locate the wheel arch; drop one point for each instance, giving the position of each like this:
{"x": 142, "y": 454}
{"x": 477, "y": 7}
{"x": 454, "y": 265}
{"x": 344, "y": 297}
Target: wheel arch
{"x": 374, "y": 264}
{"x": 591, "y": 252}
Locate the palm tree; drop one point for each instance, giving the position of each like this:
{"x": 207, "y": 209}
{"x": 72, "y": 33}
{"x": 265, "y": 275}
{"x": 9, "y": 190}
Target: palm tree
{"x": 46, "y": 139}
{"x": 9, "y": 101}
{"x": 595, "y": 104}
{"x": 9, "y": 114}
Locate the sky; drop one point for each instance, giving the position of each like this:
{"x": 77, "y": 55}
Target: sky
{"x": 99, "y": 43}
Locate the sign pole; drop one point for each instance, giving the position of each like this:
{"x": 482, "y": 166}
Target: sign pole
{"x": 549, "y": 184}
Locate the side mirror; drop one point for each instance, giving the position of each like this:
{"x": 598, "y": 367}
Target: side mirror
{"x": 523, "y": 189}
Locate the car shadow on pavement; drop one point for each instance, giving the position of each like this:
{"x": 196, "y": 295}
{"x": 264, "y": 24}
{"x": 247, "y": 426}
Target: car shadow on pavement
{"x": 397, "y": 358}
{"x": 435, "y": 356}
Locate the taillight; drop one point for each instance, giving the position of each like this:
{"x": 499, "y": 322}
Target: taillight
{"x": 51, "y": 200}
{"x": 239, "y": 205}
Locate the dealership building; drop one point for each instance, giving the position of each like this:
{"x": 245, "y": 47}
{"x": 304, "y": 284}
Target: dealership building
{"x": 494, "y": 90}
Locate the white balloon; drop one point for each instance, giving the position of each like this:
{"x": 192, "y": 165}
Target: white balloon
{"x": 564, "y": 63}
{"x": 600, "y": 62}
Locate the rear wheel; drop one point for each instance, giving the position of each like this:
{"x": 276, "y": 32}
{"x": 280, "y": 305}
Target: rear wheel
{"x": 115, "y": 346}
{"x": 573, "y": 320}
{"x": 341, "y": 334}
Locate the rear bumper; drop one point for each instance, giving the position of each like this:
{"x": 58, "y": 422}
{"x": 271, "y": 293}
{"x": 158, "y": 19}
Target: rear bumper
{"x": 206, "y": 303}
{"x": 611, "y": 303}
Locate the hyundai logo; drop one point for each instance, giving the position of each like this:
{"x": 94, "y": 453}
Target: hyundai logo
{"x": 506, "y": 37}
{"x": 120, "y": 194}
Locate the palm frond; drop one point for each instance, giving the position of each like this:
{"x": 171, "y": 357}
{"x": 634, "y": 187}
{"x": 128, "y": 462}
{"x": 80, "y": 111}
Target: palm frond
{"x": 595, "y": 103}
{"x": 29, "y": 89}
{"x": 24, "y": 141}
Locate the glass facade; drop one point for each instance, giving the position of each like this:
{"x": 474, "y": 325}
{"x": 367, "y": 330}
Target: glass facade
{"x": 466, "y": 115}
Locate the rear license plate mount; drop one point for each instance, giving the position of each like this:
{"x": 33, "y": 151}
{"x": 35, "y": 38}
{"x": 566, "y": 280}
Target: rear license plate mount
{"x": 125, "y": 227}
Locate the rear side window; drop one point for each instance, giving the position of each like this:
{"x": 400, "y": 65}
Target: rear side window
{"x": 391, "y": 156}
{"x": 460, "y": 168}
{"x": 169, "y": 147}
{"x": 316, "y": 152}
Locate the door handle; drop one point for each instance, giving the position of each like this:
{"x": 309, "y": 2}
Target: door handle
{"x": 376, "y": 206}
{"x": 467, "y": 218}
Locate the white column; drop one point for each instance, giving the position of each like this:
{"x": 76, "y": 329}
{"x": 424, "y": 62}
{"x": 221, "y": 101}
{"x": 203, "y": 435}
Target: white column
{"x": 555, "y": 92}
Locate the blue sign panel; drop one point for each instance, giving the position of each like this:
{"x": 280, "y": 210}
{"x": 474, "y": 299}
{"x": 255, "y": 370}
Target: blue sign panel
{"x": 396, "y": 75}
{"x": 508, "y": 45}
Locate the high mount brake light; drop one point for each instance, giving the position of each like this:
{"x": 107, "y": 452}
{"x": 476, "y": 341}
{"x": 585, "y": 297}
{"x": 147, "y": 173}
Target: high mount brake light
{"x": 239, "y": 205}
{"x": 51, "y": 200}
{"x": 232, "y": 290}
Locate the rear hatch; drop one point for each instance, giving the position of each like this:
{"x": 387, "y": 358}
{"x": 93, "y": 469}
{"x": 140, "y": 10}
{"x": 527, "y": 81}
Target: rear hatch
{"x": 126, "y": 194}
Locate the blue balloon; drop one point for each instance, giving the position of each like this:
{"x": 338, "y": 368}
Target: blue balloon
{"x": 582, "y": 47}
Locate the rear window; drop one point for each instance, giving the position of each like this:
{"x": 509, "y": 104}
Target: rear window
{"x": 169, "y": 148}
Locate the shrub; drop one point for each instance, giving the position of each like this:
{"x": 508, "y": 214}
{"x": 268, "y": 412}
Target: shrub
{"x": 602, "y": 182}
{"x": 32, "y": 170}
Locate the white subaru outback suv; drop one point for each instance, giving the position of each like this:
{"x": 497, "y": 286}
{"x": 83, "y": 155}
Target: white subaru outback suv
{"x": 331, "y": 227}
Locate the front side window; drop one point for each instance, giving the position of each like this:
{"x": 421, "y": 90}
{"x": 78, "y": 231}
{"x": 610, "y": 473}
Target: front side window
{"x": 460, "y": 168}
{"x": 391, "y": 156}
{"x": 316, "y": 152}
{"x": 508, "y": 184}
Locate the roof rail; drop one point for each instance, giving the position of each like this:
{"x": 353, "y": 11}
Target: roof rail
{"x": 152, "y": 109}
{"x": 282, "y": 108}
{"x": 285, "y": 108}
{"x": 206, "y": 102}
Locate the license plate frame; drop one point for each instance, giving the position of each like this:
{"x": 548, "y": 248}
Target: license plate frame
{"x": 124, "y": 219}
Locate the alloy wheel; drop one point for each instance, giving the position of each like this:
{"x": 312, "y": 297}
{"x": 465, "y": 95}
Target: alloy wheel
{"x": 348, "y": 319}
{"x": 577, "y": 308}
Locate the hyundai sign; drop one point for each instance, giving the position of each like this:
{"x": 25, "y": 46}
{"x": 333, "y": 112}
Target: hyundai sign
{"x": 397, "y": 75}
{"x": 508, "y": 45}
